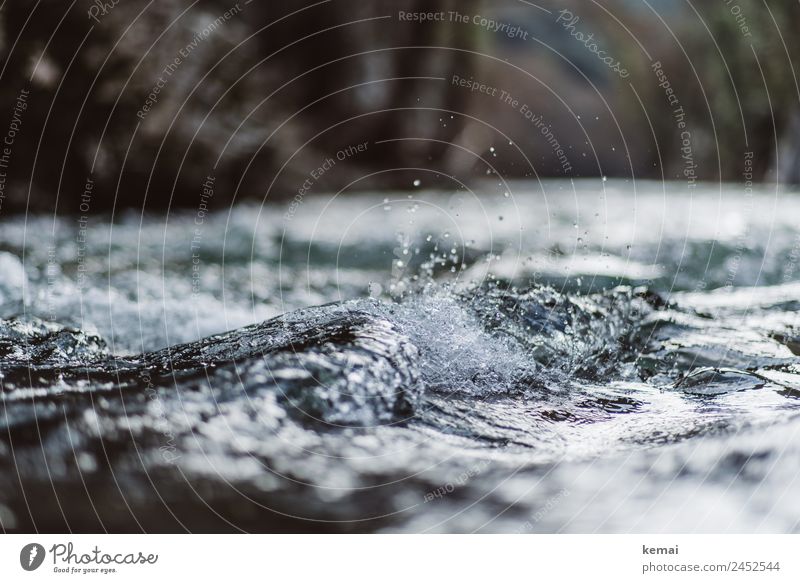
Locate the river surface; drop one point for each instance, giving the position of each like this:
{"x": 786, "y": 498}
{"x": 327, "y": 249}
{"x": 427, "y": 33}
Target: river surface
{"x": 596, "y": 356}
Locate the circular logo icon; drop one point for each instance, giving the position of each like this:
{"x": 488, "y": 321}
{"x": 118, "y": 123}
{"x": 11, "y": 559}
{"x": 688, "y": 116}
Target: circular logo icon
{"x": 31, "y": 556}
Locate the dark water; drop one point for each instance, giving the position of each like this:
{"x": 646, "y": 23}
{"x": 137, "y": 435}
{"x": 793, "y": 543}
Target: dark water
{"x": 565, "y": 358}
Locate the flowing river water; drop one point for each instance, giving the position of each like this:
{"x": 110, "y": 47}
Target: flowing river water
{"x": 543, "y": 357}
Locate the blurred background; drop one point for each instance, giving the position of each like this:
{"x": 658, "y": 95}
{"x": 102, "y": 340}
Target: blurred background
{"x": 143, "y": 103}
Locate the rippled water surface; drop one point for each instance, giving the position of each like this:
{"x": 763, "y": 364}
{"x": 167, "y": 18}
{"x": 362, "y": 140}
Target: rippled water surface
{"x": 554, "y": 357}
